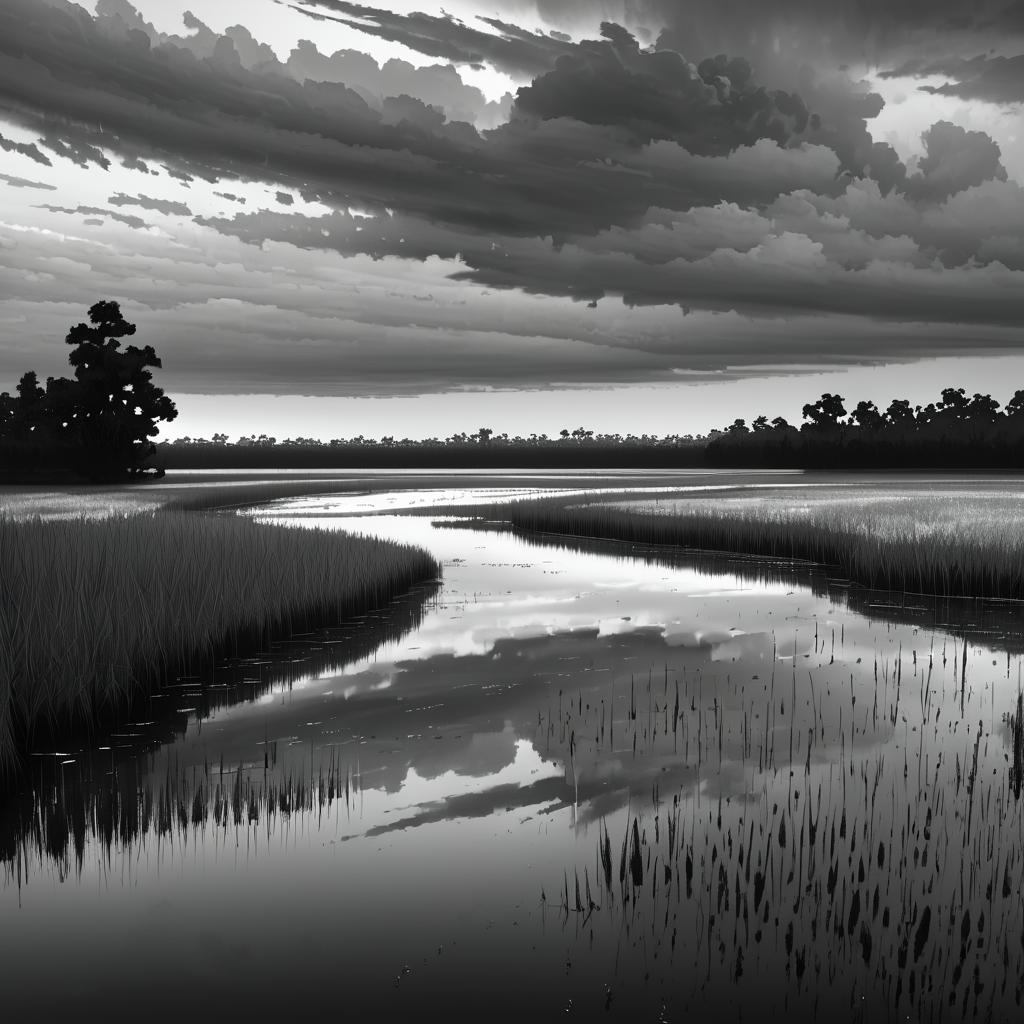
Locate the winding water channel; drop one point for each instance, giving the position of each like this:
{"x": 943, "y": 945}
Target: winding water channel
{"x": 566, "y": 781}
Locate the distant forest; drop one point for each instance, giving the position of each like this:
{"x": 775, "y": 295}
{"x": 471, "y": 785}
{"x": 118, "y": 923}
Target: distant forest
{"x": 579, "y": 448}
{"x": 957, "y": 432}
{"x": 99, "y": 424}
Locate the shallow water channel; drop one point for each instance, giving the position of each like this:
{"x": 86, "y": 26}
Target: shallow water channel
{"x": 568, "y": 781}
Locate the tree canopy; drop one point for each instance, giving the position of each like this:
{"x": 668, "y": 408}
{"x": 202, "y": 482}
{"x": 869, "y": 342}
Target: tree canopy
{"x": 98, "y": 424}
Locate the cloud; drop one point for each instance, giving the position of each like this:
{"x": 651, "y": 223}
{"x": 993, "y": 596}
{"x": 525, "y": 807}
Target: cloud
{"x": 993, "y": 79}
{"x": 97, "y": 211}
{"x": 71, "y": 146}
{"x": 16, "y": 182}
{"x": 805, "y": 254}
{"x": 827, "y": 32}
{"x": 437, "y": 85}
{"x": 954, "y": 160}
{"x": 164, "y": 206}
{"x": 278, "y": 319}
{"x": 212, "y": 117}
{"x": 710, "y": 110}
{"x": 506, "y": 47}
{"x": 733, "y": 224}
{"x": 29, "y": 149}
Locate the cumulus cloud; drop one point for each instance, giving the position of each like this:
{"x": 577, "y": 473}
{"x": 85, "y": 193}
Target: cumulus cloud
{"x": 710, "y": 110}
{"x": 954, "y": 160}
{"x": 213, "y": 117}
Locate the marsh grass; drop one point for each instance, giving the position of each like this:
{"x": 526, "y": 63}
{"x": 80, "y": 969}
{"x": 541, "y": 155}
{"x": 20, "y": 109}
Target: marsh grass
{"x": 93, "y": 613}
{"x": 954, "y": 547}
{"x": 827, "y": 840}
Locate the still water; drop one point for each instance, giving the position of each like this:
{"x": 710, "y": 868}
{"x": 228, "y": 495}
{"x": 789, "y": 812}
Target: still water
{"x": 565, "y": 782}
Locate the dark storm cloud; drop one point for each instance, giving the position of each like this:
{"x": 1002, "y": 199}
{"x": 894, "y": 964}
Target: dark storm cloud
{"x": 226, "y": 319}
{"x": 826, "y": 31}
{"x": 689, "y": 186}
{"x": 796, "y": 258}
{"x": 710, "y": 109}
{"x": 992, "y": 79}
{"x": 611, "y": 82}
{"x": 204, "y": 116}
{"x": 164, "y": 206}
{"x": 437, "y": 85}
{"x": 954, "y": 160}
{"x": 507, "y": 47}
{"x": 214, "y": 117}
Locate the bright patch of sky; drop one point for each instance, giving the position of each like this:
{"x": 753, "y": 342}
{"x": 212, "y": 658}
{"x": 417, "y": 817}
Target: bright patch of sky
{"x": 909, "y": 110}
{"x": 661, "y": 409}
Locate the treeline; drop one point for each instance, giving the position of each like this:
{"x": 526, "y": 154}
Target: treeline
{"x": 957, "y": 432}
{"x": 579, "y": 448}
{"x": 96, "y": 426}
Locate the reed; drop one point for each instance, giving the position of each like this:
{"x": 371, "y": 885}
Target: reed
{"x": 93, "y": 613}
{"x": 924, "y": 546}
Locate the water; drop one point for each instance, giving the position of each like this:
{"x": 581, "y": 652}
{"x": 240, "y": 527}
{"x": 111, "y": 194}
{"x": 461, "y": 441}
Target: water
{"x": 568, "y": 782}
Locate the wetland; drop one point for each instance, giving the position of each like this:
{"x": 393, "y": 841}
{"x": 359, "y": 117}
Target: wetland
{"x": 572, "y": 777}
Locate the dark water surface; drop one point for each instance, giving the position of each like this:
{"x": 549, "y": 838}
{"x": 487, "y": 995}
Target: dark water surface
{"x": 569, "y": 782}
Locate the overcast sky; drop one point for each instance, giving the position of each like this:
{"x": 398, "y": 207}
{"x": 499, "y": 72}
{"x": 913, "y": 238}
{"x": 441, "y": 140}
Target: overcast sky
{"x": 333, "y": 219}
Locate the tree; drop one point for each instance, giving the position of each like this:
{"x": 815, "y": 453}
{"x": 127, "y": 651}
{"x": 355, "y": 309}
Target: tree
{"x": 899, "y": 413}
{"x": 1015, "y": 406}
{"x": 983, "y": 408}
{"x": 29, "y": 408}
{"x": 867, "y": 416}
{"x": 954, "y": 403}
{"x": 112, "y": 408}
{"x": 825, "y": 413}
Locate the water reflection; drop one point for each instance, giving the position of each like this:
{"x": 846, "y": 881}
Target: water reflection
{"x": 577, "y": 777}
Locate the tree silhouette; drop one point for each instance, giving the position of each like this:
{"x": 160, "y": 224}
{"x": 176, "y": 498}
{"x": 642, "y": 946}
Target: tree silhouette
{"x": 116, "y": 407}
{"x": 825, "y": 413}
{"x": 866, "y": 414}
{"x": 100, "y": 423}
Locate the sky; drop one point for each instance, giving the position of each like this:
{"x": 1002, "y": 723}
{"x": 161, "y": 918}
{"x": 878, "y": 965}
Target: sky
{"x": 635, "y": 216}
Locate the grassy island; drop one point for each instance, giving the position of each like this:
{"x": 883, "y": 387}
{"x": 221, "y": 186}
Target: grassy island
{"x": 967, "y": 544}
{"x": 94, "y": 613}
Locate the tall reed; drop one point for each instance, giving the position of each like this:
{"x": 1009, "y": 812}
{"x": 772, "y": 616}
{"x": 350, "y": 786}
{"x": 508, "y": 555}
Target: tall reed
{"x": 923, "y": 550}
{"x": 92, "y": 612}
